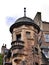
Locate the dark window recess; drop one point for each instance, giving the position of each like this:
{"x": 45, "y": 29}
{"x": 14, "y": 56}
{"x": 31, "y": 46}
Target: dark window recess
{"x": 36, "y": 64}
{"x": 15, "y": 55}
{"x": 46, "y": 37}
{"x": 35, "y": 50}
{"x": 43, "y": 64}
{"x": 18, "y": 37}
{"x": 28, "y": 34}
{"x": 23, "y": 63}
{"x": 12, "y": 36}
{"x": 40, "y": 41}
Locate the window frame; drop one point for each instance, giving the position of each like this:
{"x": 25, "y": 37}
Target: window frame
{"x": 46, "y": 52}
{"x": 18, "y": 37}
{"x": 46, "y": 36}
{"x": 28, "y": 34}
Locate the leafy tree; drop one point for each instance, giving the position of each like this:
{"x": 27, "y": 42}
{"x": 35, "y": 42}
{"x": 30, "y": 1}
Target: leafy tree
{"x": 1, "y": 58}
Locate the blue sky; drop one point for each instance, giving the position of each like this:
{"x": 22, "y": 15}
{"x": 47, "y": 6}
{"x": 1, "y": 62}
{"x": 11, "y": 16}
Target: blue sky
{"x": 10, "y": 10}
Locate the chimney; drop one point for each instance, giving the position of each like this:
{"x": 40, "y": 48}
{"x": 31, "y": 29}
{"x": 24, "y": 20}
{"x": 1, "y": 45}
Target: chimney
{"x": 37, "y": 18}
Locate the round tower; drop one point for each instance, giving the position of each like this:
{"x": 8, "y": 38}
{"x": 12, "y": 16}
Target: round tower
{"x": 24, "y": 41}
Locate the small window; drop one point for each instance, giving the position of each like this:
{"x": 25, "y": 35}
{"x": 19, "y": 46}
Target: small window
{"x": 43, "y": 64}
{"x": 23, "y": 63}
{"x": 46, "y": 53}
{"x": 40, "y": 41}
{"x": 46, "y": 37}
{"x": 18, "y": 37}
{"x": 35, "y": 50}
{"x": 6, "y": 51}
{"x": 36, "y": 63}
{"x": 28, "y": 34}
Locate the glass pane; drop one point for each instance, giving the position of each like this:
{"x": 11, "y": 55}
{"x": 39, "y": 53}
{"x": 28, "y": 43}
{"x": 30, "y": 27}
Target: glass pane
{"x": 18, "y": 37}
{"x": 28, "y": 34}
{"x": 45, "y": 52}
{"x": 46, "y": 37}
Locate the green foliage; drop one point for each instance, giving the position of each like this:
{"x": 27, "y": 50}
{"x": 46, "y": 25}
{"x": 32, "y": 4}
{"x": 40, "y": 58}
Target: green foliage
{"x": 1, "y": 58}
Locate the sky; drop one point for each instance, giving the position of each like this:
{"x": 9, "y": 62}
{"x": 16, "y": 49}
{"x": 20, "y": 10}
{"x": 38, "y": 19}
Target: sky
{"x": 11, "y": 10}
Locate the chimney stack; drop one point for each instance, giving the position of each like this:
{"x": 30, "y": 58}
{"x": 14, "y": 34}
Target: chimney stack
{"x": 37, "y": 18}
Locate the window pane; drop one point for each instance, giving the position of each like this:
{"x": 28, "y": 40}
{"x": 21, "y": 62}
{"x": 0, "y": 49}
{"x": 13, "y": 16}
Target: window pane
{"x": 28, "y": 34}
{"x": 45, "y": 52}
{"x": 18, "y": 37}
{"x": 36, "y": 63}
{"x": 46, "y": 37}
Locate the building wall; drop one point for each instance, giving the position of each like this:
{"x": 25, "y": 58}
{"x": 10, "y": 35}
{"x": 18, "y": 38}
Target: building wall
{"x": 30, "y": 43}
{"x": 31, "y": 53}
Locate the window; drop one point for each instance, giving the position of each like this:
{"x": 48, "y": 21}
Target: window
{"x": 23, "y": 63}
{"x": 35, "y": 63}
{"x": 18, "y": 37}
{"x": 43, "y": 64}
{"x": 46, "y": 53}
{"x": 36, "y": 50}
{"x": 28, "y": 34}
{"x": 46, "y": 37}
{"x": 6, "y": 51}
{"x": 40, "y": 41}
